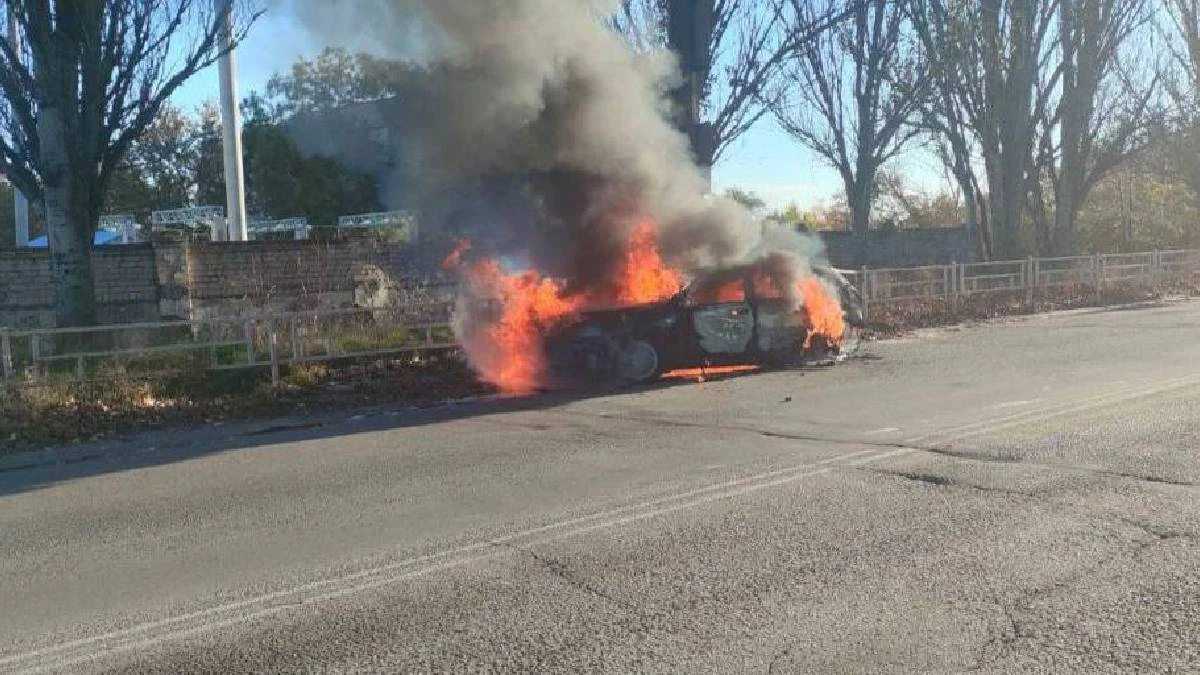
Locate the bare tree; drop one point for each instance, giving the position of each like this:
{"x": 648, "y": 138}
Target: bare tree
{"x": 96, "y": 76}
{"x": 944, "y": 110}
{"x": 1094, "y": 108}
{"x": 1047, "y": 96}
{"x": 1180, "y": 26}
{"x": 729, "y": 52}
{"x": 849, "y": 94}
{"x": 987, "y": 61}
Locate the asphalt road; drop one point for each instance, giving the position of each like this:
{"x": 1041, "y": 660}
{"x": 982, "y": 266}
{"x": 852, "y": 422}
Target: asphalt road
{"x": 1010, "y": 497}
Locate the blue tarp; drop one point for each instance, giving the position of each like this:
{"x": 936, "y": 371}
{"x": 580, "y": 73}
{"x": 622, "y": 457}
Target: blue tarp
{"x": 102, "y": 237}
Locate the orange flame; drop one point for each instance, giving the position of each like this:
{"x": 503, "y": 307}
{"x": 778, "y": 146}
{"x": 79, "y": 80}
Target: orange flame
{"x": 507, "y": 350}
{"x": 454, "y": 259}
{"x": 765, "y": 286}
{"x": 506, "y": 346}
{"x": 702, "y": 374}
{"x": 643, "y": 277}
{"x": 824, "y": 313}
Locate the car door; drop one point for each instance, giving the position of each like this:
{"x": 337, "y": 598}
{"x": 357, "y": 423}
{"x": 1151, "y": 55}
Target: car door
{"x": 722, "y": 317}
{"x": 776, "y": 321}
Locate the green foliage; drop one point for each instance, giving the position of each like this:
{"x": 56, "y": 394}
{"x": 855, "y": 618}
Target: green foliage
{"x": 335, "y": 78}
{"x": 209, "y": 163}
{"x": 818, "y": 217}
{"x": 305, "y": 376}
{"x": 8, "y": 234}
{"x": 283, "y": 183}
{"x": 179, "y": 163}
{"x": 160, "y": 170}
{"x": 8, "y": 238}
{"x": 393, "y": 340}
{"x": 788, "y": 217}
{"x": 1144, "y": 204}
{"x": 902, "y": 206}
{"x": 746, "y": 198}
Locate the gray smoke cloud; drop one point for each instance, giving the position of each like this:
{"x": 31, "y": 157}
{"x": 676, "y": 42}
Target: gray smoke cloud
{"x": 544, "y": 136}
{"x": 542, "y": 88}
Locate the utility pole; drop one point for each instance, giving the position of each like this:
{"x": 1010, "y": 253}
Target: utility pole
{"x": 689, "y": 32}
{"x": 20, "y": 202}
{"x": 231, "y": 128}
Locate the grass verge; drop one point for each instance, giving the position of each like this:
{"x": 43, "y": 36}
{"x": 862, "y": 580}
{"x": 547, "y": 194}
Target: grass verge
{"x": 60, "y": 412}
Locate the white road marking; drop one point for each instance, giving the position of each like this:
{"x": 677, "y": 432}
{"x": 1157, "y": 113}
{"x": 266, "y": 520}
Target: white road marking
{"x": 74, "y": 652}
{"x": 84, "y": 649}
{"x": 884, "y": 430}
{"x": 1108, "y": 397}
{"x": 1016, "y": 404}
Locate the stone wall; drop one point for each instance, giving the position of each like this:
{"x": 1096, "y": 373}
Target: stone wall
{"x": 172, "y": 279}
{"x": 227, "y": 279}
{"x": 178, "y": 280}
{"x": 899, "y": 248}
{"x": 126, "y": 286}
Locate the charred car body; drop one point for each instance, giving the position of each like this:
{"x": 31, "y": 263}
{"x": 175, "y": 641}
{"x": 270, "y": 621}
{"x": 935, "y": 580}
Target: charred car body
{"x": 721, "y": 319}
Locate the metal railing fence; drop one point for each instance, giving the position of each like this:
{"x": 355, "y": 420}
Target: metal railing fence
{"x": 32, "y": 357}
{"x": 35, "y": 357}
{"x": 956, "y": 283}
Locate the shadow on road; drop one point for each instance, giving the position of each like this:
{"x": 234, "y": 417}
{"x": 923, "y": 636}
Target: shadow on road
{"x": 33, "y": 471}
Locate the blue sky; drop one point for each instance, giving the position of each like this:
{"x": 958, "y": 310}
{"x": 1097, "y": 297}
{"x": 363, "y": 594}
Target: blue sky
{"x": 766, "y": 160}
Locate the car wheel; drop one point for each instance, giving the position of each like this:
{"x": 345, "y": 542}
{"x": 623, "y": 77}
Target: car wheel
{"x": 584, "y": 359}
{"x": 639, "y": 362}
{"x": 781, "y": 358}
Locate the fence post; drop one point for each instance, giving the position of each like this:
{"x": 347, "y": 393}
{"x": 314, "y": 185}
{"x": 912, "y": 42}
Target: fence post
{"x": 6, "y": 355}
{"x": 865, "y": 291}
{"x": 1156, "y": 269}
{"x": 250, "y": 339}
{"x": 1031, "y": 275}
{"x": 1098, "y": 268}
{"x": 950, "y": 283}
{"x": 79, "y": 369}
{"x": 273, "y": 349}
{"x": 293, "y": 330}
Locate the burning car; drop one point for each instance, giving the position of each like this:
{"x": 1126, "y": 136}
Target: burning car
{"x": 636, "y": 316}
{"x": 727, "y": 317}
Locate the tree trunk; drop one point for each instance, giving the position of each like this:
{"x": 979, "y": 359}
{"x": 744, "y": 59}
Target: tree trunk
{"x": 1065, "y": 207}
{"x": 68, "y": 227}
{"x": 859, "y": 197}
{"x": 987, "y": 248}
{"x": 971, "y": 215}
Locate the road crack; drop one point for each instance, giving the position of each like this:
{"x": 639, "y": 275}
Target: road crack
{"x": 1107, "y": 473}
{"x": 560, "y": 570}
{"x": 786, "y": 651}
{"x": 1157, "y": 533}
{"x": 814, "y": 438}
{"x": 948, "y": 482}
{"x": 1002, "y": 637}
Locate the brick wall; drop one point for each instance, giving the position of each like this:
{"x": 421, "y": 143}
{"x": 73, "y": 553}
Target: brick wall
{"x": 177, "y": 280}
{"x": 126, "y": 287}
{"x": 899, "y": 248}
{"x": 126, "y": 284}
{"x": 25, "y": 291}
{"x": 236, "y": 278}
{"x": 173, "y": 279}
